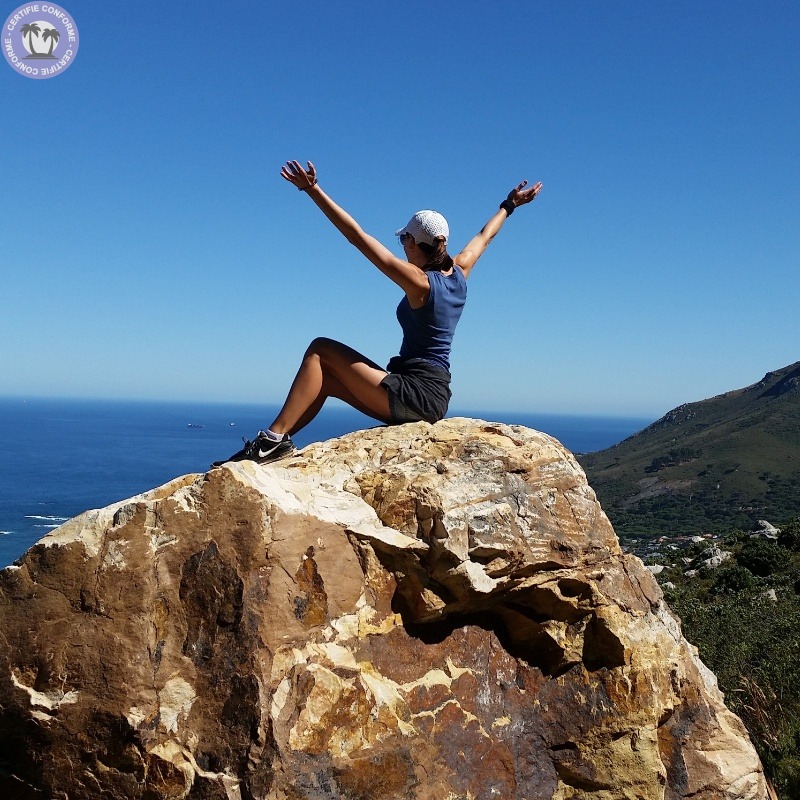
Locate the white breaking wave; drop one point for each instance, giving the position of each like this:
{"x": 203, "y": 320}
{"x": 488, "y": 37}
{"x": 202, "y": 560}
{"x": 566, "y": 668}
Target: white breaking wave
{"x": 46, "y": 518}
{"x": 57, "y": 525}
{"x": 6, "y": 533}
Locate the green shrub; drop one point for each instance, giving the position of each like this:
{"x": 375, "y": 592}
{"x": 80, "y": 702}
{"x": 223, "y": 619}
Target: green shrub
{"x": 761, "y": 556}
{"x": 787, "y": 773}
{"x": 733, "y": 579}
{"x": 790, "y": 536}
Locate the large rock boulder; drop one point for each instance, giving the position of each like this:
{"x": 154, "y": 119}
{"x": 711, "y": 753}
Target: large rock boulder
{"x": 422, "y": 611}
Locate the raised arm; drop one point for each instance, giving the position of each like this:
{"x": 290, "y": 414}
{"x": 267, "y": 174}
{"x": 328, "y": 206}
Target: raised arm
{"x": 518, "y": 196}
{"x": 411, "y": 279}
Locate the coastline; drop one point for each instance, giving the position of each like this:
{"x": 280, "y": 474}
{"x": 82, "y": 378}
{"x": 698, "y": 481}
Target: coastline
{"x": 62, "y": 457}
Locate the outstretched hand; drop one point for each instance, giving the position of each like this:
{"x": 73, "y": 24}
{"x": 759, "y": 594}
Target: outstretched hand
{"x": 299, "y": 177}
{"x": 520, "y": 195}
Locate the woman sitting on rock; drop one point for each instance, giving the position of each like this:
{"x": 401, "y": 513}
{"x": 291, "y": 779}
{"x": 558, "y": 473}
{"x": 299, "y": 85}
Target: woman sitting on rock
{"x": 416, "y": 384}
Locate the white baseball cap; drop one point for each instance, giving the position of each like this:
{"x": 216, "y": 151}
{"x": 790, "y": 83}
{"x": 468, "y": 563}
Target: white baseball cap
{"x": 426, "y": 226}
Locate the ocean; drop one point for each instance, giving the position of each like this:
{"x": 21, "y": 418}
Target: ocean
{"x": 61, "y": 457}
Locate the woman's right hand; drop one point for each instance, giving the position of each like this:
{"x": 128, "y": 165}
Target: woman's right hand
{"x": 303, "y": 179}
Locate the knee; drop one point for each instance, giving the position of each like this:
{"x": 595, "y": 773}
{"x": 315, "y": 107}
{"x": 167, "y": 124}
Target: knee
{"x": 321, "y": 346}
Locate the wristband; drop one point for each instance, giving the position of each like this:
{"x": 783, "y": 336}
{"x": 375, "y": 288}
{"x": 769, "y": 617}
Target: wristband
{"x": 508, "y": 207}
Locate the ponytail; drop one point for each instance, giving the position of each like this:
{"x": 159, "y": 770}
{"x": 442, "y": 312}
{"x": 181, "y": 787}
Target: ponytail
{"x": 438, "y": 257}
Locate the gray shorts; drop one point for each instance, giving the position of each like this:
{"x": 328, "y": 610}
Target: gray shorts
{"x": 418, "y": 390}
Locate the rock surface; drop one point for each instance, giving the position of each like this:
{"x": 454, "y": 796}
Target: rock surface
{"x": 712, "y": 558}
{"x": 412, "y": 612}
{"x": 766, "y": 529}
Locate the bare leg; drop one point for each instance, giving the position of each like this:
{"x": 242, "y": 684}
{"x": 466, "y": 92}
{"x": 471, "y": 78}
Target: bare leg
{"x": 332, "y": 369}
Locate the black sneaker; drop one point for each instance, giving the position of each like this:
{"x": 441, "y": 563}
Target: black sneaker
{"x": 262, "y": 450}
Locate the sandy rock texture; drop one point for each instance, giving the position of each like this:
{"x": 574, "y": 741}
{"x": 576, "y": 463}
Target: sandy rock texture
{"x": 429, "y": 612}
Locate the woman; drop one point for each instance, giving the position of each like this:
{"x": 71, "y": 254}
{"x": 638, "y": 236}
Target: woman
{"x": 416, "y": 384}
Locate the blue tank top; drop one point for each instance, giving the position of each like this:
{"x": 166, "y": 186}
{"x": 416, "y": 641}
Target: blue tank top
{"x": 428, "y": 331}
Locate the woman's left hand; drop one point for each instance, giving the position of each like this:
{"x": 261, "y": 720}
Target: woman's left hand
{"x": 301, "y": 178}
{"x": 520, "y": 195}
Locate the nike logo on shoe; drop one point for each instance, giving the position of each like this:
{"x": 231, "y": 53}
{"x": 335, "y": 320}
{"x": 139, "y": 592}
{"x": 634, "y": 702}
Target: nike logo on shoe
{"x": 274, "y": 449}
{"x": 262, "y": 450}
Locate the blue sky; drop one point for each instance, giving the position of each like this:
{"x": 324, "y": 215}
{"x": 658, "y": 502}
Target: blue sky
{"x": 149, "y": 248}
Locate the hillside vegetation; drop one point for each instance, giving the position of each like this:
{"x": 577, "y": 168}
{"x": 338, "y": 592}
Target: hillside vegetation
{"x": 744, "y": 617}
{"x": 710, "y": 466}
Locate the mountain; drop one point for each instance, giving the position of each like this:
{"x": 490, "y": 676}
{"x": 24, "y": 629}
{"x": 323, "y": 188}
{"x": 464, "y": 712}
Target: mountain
{"x": 709, "y": 466}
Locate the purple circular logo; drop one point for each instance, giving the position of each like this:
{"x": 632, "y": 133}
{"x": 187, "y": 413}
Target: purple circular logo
{"x": 40, "y": 40}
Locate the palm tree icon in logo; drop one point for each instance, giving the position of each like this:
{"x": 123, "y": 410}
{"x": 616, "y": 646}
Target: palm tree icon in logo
{"x": 30, "y": 31}
{"x": 39, "y": 31}
{"x": 53, "y": 35}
